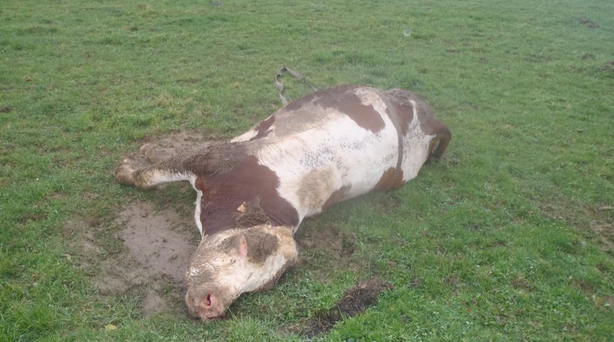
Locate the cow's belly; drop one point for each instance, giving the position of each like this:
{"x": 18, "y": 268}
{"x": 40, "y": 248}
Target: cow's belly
{"x": 335, "y": 161}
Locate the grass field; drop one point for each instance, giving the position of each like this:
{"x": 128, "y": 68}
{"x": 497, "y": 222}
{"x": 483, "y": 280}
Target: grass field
{"x": 509, "y": 238}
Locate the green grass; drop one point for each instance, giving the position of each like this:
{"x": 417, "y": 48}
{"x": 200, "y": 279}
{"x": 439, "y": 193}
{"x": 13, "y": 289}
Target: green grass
{"x": 498, "y": 242}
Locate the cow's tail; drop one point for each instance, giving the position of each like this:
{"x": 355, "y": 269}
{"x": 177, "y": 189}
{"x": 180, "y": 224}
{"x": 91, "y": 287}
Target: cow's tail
{"x": 440, "y": 142}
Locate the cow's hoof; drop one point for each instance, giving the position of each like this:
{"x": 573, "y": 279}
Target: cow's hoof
{"x": 124, "y": 174}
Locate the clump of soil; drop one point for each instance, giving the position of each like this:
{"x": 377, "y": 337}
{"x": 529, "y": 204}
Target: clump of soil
{"x": 589, "y": 23}
{"x": 354, "y": 302}
{"x": 609, "y": 67}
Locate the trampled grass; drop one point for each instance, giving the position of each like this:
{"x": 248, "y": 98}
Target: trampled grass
{"x": 509, "y": 238}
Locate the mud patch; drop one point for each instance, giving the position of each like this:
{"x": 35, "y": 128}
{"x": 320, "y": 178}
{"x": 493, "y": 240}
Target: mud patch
{"x": 158, "y": 240}
{"x": 159, "y": 245}
{"x": 600, "y": 225}
{"x": 354, "y": 302}
{"x": 147, "y": 257}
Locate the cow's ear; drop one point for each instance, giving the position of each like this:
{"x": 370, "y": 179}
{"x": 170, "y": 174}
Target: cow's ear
{"x": 243, "y": 246}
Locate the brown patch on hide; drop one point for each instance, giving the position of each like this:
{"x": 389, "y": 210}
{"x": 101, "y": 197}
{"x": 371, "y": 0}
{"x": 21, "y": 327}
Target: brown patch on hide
{"x": 345, "y": 100}
{"x": 389, "y": 181}
{"x": 263, "y": 128}
{"x": 404, "y": 112}
{"x": 401, "y": 99}
{"x": 298, "y": 104}
{"x": 260, "y": 245}
{"x": 246, "y": 182}
{"x": 336, "y": 197}
{"x": 199, "y": 184}
{"x": 354, "y": 302}
{"x": 210, "y": 160}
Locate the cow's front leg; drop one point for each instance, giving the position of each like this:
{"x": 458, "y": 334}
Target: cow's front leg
{"x": 160, "y": 167}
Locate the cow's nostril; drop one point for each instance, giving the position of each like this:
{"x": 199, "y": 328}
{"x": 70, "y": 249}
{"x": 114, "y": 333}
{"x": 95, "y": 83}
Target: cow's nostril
{"x": 208, "y": 300}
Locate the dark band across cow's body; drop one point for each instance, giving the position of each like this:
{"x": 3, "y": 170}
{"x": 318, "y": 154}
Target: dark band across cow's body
{"x": 397, "y": 125}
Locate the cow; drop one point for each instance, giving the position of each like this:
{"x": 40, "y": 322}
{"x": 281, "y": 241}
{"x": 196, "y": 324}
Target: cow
{"x": 254, "y": 191}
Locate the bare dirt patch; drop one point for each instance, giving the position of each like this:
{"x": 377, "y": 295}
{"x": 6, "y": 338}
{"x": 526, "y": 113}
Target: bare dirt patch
{"x": 157, "y": 245}
{"x": 354, "y": 302}
{"x": 606, "y": 232}
{"x": 157, "y": 240}
{"x": 599, "y": 226}
{"x": 522, "y": 283}
{"x": 149, "y": 253}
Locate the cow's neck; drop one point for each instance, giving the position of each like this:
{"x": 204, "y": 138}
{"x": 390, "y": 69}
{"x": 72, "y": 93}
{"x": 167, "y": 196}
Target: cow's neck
{"x": 243, "y": 197}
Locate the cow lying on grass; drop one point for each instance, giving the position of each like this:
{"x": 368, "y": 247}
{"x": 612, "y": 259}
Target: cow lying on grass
{"x": 254, "y": 191}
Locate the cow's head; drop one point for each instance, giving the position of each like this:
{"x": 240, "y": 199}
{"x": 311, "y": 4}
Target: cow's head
{"x": 231, "y": 262}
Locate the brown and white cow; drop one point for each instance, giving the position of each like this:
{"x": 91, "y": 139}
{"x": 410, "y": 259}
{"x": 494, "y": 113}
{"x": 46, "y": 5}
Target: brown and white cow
{"x": 254, "y": 191}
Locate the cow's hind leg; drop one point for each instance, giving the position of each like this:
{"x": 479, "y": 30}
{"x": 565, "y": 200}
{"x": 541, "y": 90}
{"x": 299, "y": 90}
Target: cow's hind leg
{"x": 160, "y": 168}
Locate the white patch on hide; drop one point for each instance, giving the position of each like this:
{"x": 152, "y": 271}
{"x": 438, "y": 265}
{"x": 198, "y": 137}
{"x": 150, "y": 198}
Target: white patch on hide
{"x": 199, "y": 196}
{"x": 157, "y": 176}
{"x": 415, "y": 147}
{"x": 338, "y": 149}
{"x": 199, "y": 224}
